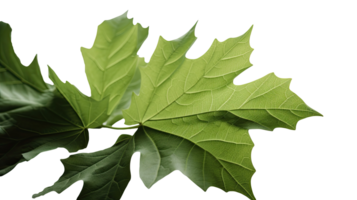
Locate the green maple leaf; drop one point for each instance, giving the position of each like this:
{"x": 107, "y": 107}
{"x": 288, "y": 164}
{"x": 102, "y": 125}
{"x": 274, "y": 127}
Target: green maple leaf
{"x": 37, "y": 117}
{"x": 189, "y": 114}
{"x": 194, "y": 119}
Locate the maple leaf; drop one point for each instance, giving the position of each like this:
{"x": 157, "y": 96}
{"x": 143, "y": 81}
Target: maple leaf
{"x": 194, "y": 119}
{"x": 189, "y": 114}
{"x": 37, "y": 117}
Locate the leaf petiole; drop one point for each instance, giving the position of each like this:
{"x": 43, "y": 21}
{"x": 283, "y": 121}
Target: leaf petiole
{"x": 120, "y": 128}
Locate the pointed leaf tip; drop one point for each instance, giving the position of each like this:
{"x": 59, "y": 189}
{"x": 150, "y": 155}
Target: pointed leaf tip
{"x": 195, "y": 24}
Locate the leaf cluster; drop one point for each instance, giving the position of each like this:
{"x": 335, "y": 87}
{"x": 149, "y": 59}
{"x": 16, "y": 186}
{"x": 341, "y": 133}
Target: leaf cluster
{"x": 189, "y": 115}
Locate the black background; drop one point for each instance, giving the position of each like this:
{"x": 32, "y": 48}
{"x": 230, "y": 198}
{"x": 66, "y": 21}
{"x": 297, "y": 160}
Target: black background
{"x": 286, "y": 161}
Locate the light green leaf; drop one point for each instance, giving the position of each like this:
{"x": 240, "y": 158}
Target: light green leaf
{"x": 112, "y": 61}
{"x": 196, "y": 101}
{"x": 105, "y": 173}
{"x": 134, "y": 86}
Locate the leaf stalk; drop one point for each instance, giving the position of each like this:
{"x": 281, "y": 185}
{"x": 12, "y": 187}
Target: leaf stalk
{"x": 120, "y": 128}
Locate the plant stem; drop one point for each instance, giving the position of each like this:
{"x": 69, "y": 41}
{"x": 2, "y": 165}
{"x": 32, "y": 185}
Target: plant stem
{"x": 120, "y": 128}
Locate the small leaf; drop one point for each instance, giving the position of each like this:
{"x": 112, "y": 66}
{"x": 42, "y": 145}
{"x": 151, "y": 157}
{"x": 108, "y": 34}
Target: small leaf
{"x": 104, "y": 174}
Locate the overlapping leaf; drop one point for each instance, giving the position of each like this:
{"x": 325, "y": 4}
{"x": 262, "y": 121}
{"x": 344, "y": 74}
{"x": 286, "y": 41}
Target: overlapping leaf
{"x": 105, "y": 173}
{"x": 194, "y": 103}
{"x": 112, "y": 61}
{"x": 34, "y": 117}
